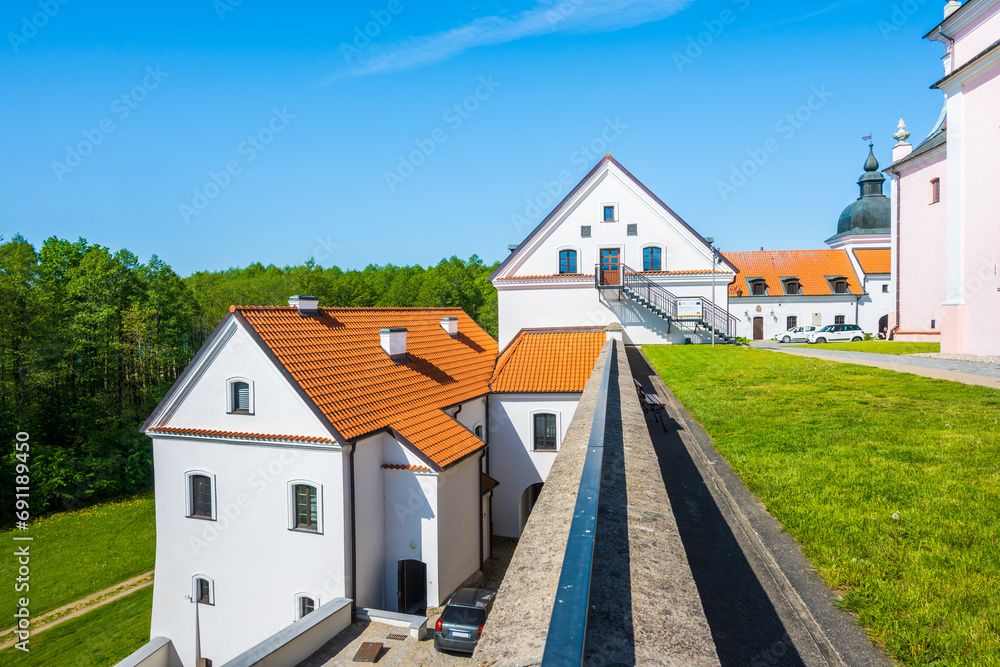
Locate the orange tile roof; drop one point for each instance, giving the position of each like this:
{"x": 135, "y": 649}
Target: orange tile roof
{"x": 691, "y": 272}
{"x": 548, "y": 361}
{"x": 237, "y": 434}
{"x": 550, "y": 275}
{"x": 489, "y": 483}
{"x": 396, "y": 466}
{"x": 337, "y": 359}
{"x": 874, "y": 260}
{"x": 811, "y": 267}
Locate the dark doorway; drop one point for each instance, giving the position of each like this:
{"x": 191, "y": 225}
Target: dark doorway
{"x": 528, "y": 500}
{"x": 883, "y": 324}
{"x": 758, "y": 328}
{"x": 411, "y": 577}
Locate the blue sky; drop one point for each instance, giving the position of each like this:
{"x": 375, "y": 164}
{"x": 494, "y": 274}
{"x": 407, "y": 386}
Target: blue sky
{"x": 216, "y": 133}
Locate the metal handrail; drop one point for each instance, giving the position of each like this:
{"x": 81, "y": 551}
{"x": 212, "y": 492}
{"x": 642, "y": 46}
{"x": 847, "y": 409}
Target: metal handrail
{"x": 654, "y": 294}
{"x": 567, "y": 635}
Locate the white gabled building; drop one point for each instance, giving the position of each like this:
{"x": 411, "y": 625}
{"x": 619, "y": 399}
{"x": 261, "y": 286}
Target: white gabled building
{"x": 314, "y": 454}
{"x": 613, "y": 252}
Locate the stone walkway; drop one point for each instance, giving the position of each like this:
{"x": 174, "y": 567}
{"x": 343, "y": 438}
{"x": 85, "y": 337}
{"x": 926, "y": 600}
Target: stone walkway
{"x": 395, "y": 653}
{"x": 966, "y": 372}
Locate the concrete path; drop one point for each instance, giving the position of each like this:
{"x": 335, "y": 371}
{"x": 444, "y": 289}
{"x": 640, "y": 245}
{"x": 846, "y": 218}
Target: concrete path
{"x": 764, "y": 603}
{"x": 80, "y": 607}
{"x": 966, "y": 372}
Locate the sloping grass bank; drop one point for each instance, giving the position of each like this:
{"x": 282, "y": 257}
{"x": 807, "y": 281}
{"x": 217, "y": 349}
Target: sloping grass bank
{"x": 889, "y": 481}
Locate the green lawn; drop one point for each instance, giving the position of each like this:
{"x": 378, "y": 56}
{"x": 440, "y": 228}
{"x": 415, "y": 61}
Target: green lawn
{"x": 889, "y": 481}
{"x": 81, "y": 552}
{"x": 99, "y": 638}
{"x": 879, "y": 347}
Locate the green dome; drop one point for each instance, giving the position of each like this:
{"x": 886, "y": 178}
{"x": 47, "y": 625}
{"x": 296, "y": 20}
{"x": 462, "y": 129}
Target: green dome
{"x": 872, "y": 211}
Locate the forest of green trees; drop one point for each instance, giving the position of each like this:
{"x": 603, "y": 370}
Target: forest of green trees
{"x": 90, "y": 340}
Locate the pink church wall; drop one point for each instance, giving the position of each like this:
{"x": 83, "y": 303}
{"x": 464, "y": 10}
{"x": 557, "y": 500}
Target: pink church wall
{"x": 972, "y": 40}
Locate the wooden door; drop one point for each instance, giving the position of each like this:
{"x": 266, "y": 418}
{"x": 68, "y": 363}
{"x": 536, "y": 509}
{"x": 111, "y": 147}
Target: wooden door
{"x": 411, "y": 580}
{"x": 611, "y": 266}
{"x": 758, "y": 328}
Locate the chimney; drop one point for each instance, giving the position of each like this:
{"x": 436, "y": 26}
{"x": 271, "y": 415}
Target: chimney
{"x": 951, "y": 8}
{"x": 394, "y": 343}
{"x": 307, "y": 305}
{"x": 902, "y": 149}
{"x": 450, "y": 324}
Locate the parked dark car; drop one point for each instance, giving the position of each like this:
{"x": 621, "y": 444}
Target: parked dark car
{"x": 462, "y": 620}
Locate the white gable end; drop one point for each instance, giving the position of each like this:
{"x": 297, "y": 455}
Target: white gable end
{"x": 202, "y": 399}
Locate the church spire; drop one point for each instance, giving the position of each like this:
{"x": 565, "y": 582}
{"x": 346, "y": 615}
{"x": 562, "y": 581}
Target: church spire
{"x": 872, "y": 180}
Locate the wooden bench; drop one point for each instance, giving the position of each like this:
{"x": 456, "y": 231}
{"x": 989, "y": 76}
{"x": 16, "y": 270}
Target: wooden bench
{"x": 651, "y": 402}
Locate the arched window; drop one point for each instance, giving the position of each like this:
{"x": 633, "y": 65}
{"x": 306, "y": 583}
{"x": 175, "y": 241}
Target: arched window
{"x": 840, "y": 287}
{"x": 478, "y": 430}
{"x": 544, "y": 432}
{"x": 652, "y": 259}
{"x": 758, "y": 288}
{"x": 305, "y": 506}
{"x": 792, "y": 287}
{"x": 567, "y": 261}
{"x": 305, "y": 604}
{"x": 203, "y": 589}
{"x": 240, "y": 396}
{"x": 200, "y": 494}
{"x": 935, "y": 190}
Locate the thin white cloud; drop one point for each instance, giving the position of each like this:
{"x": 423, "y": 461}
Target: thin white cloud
{"x": 547, "y": 17}
{"x": 804, "y": 17}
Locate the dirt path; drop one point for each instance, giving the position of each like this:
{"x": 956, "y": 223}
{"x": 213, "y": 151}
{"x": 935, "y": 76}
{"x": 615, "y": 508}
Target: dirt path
{"x": 80, "y": 607}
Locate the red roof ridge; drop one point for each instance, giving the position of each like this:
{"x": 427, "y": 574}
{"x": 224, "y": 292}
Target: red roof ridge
{"x": 238, "y": 434}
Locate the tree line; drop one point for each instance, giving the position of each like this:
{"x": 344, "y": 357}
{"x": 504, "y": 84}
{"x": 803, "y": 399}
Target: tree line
{"x": 91, "y": 340}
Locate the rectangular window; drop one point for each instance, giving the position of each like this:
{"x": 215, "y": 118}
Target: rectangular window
{"x": 839, "y": 319}
{"x": 585, "y": 231}
{"x": 567, "y": 261}
{"x": 652, "y": 259}
{"x": 204, "y": 592}
{"x": 840, "y": 287}
{"x": 885, "y": 289}
{"x": 306, "y": 508}
{"x": 545, "y": 433}
{"x": 632, "y": 230}
{"x": 609, "y": 214}
{"x": 935, "y": 190}
{"x": 241, "y": 397}
{"x": 306, "y": 606}
{"x": 201, "y": 496}
{"x": 791, "y": 322}
{"x": 758, "y": 288}
{"x": 933, "y": 324}
{"x": 792, "y": 287}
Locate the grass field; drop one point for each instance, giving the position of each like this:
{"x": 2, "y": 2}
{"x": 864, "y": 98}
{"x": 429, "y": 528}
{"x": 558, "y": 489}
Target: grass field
{"x": 99, "y": 638}
{"x": 879, "y": 347}
{"x": 890, "y": 482}
{"x": 77, "y": 553}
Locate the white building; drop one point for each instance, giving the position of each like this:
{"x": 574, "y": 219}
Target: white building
{"x": 613, "y": 252}
{"x": 850, "y": 283}
{"x": 310, "y": 454}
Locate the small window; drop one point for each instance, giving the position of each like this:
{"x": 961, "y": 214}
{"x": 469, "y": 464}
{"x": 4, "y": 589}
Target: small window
{"x": 240, "y": 396}
{"x": 307, "y": 605}
{"x": 840, "y": 287}
{"x": 609, "y": 213}
{"x": 200, "y": 496}
{"x": 758, "y": 288}
{"x": 935, "y": 190}
{"x": 478, "y": 430}
{"x": 885, "y": 289}
{"x": 567, "y": 261}
{"x": 792, "y": 287}
{"x": 632, "y": 230}
{"x": 306, "y": 508}
{"x": 933, "y": 324}
{"x": 839, "y": 319}
{"x": 545, "y": 432}
{"x": 585, "y": 231}
{"x": 652, "y": 259}
{"x": 791, "y": 322}
{"x": 203, "y": 589}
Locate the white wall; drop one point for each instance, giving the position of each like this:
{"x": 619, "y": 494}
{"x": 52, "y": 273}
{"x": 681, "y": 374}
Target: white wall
{"x": 410, "y": 517}
{"x": 513, "y": 462}
{"x": 745, "y": 309}
{"x": 258, "y": 565}
{"x": 459, "y": 489}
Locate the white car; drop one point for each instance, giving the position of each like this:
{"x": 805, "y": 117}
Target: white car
{"x": 796, "y": 334}
{"x": 836, "y": 332}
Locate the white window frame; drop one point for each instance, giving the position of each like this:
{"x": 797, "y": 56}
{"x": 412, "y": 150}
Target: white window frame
{"x": 296, "y": 610}
{"x": 230, "y": 402}
{"x": 291, "y": 506}
{"x": 579, "y": 260}
{"x": 663, "y": 256}
{"x": 531, "y": 430}
{"x": 617, "y": 216}
{"x": 189, "y": 495}
{"x": 211, "y": 589}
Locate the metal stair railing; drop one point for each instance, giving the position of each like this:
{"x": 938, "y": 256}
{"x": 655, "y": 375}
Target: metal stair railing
{"x": 642, "y": 289}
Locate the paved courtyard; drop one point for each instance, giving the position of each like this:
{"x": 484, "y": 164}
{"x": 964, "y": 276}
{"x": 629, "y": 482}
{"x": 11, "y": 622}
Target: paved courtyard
{"x": 395, "y": 653}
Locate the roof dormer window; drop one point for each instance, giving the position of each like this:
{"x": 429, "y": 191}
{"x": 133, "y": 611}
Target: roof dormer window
{"x": 793, "y": 287}
{"x": 758, "y": 287}
{"x": 839, "y": 286}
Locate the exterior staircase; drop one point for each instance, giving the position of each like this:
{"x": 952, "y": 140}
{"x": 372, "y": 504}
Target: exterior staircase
{"x": 663, "y": 303}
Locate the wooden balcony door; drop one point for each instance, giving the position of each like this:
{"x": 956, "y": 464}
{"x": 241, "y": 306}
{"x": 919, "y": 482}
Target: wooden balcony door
{"x": 611, "y": 266}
